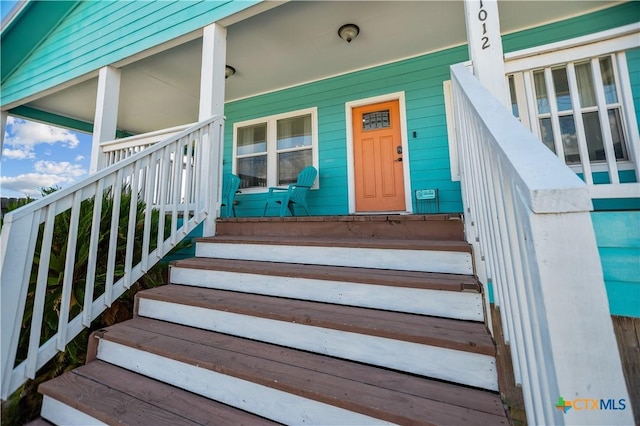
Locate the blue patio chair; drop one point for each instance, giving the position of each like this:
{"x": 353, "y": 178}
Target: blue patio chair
{"x": 230, "y": 185}
{"x": 295, "y": 193}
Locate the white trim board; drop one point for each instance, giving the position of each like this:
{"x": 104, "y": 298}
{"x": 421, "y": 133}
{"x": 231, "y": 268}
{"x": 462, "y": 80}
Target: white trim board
{"x": 448, "y": 262}
{"x": 271, "y": 403}
{"x": 447, "y": 304}
{"x": 462, "y": 367}
{"x": 574, "y": 49}
{"x": 60, "y": 413}
{"x": 348, "y": 107}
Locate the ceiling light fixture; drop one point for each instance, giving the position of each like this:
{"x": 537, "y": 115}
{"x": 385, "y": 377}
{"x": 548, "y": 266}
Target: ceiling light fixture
{"x": 348, "y": 32}
{"x": 229, "y": 71}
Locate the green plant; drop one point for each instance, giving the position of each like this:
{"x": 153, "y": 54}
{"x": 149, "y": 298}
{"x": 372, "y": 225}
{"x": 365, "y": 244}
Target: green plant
{"x": 25, "y": 403}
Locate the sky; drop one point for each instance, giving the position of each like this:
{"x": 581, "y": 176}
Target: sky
{"x": 35, "y": 155}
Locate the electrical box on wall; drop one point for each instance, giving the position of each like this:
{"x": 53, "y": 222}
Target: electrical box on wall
{"x": 427, "y": 201}
{"x": 426, "y": 194}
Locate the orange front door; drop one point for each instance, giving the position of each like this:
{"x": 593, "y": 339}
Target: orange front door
{"x": 377, "y": 154}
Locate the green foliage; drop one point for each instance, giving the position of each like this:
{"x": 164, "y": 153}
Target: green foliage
{"x": 24, "y": 405}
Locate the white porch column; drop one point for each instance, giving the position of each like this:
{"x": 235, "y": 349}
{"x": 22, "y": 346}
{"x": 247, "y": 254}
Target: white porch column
{"x": 214, "y": 54}
{"x": 485, "y": 46}
{"x": 106, "y": 118}
{"x": 4, "y": 115}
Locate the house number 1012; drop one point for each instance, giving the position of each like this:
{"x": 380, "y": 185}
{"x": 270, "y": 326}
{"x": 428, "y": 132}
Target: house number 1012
{"x": 482, "y": 16}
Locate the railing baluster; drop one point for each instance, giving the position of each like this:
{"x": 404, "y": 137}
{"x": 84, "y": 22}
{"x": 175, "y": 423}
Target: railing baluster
{"x": 69, "y": 266}
{"x": 553, "y": 304}
{"x": 188, "y": 186}
{"x": 92, "y": 257}
{"x": 164, "y": 189}
{"x": 603, "y": 114}
{"x": 41, "y": 287}
{"x": 113, "y": 238}
{"x": 581, "y": 138}
{"x": 149, "y": 189}
{"x": 153, "y": 169}
{"x": 131, "y": 228}
{"x": 197, "y": 174}
{"x": 176, "y": 188}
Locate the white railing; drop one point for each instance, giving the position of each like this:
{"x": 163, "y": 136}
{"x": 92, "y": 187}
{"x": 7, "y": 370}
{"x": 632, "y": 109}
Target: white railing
{"x": 119, "y": 149}
{"x": 527, "y": 217}
{"x": 178, "y": 175}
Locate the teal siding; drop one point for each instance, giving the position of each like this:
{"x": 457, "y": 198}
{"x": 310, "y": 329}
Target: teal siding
{"x": 618, "y": 239}
{"x": 624, "y": 14}
{"x": 420, "y": 78}
{"x": 633, "y": 62}
{"x": 99, "y": 33}
{"x": 24, "y": 32}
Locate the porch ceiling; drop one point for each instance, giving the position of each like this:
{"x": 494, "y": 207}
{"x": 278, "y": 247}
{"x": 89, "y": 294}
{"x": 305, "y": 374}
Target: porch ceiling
{"x": 288, "y": 45}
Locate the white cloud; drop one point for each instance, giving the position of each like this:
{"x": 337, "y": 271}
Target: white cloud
{"x": 62, "y": 168}
{"x": 79, "y": 158}
{"x": 47, "y": 174}
{"x": 18, "y": 154}
{"x": 24, "y": 135}
{"x": 30, "y": 183}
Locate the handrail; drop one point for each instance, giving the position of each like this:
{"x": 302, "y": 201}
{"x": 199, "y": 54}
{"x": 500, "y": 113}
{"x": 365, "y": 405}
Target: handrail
{"x": 119, "y": 149}
{"x": 174, "y": 175}
{"x": 527, "y": 218}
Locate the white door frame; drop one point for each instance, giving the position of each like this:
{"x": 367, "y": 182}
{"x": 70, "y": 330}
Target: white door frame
{"x": 400, "y": 97}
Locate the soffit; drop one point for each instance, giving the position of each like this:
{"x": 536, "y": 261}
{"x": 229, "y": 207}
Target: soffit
{"x": 291, "y": 44}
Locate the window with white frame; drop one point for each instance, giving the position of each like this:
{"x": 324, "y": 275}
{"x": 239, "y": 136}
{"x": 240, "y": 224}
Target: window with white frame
{"x": 271, "y": 151}
{"x": 575, "y": 108}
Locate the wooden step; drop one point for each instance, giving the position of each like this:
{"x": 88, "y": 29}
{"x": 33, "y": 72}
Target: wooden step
{"x": 452, "y": 257}
{"x": 106, "y": 393}
{"x": 445, "y": 295}
{"x": 414, "y": 227}
{"x": 288, "y": 385}
{"x": 457, "y": 351}
{"x": 373, "y": 243}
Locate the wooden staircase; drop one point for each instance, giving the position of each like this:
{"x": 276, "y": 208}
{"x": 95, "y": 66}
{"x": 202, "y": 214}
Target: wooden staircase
{"x": 319, "y": 320}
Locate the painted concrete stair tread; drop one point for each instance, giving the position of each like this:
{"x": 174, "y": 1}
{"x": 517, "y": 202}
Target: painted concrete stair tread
{"x": 376, "y": 392}
{"x": 375, "y": 243}
{"x": 410, "y": 279}
{"x": 442, "y": 332}
{"x": 117, "y": 396}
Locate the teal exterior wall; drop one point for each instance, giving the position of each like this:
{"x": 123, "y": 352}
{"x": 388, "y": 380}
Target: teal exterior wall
{"x": 420, "y": 78}
{"x": 98, "y": 33}
{"x": 618, "y": 239}
{"x": 617, "y": 16}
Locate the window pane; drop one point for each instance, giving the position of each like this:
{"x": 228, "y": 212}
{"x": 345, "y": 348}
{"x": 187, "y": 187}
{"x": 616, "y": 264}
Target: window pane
{"x": 514, "y": 101}
{"x": 547, "y": 133}
{"x": 561, "y": 84}
{"x": 585, "y": 85}
{"x": 616, "y": 134}
{"x": 294, "y": 132}
{"x": 569, "y": 139}
{"x": 290, "y": 164}
{"x": 252, "y": 171}
{"x": 541, "y": 92}
{"x": 252, "y": 139}
{"x": 376, "y": 120}
{"x": 608, "y": 80}
{"x": 593, "y": 132}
